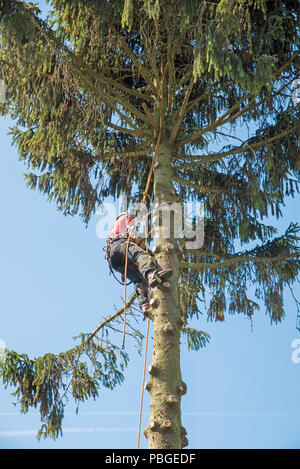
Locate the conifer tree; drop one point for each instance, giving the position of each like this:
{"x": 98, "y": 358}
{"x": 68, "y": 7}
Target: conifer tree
{"x": 94, "y": 89}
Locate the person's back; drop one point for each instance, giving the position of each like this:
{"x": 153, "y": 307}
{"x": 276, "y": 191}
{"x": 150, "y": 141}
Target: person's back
{"x": 123, "y": 222}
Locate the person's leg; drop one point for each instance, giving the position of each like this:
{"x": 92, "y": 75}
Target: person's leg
{"x": 116, "y": 256}
{"x": 146, "y": 265}
{"x": 139, "y": 259}
{"x": 142, "y": 293}
{"x": 144, "y": 261}
{"x": 117, "y": 259}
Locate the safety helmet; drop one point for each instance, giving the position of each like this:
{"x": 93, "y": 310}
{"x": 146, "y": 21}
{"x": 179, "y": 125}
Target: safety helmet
{"x": 121, "y": 214}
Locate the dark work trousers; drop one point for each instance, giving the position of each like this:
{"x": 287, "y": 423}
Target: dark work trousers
{"x": 139, "y": 264}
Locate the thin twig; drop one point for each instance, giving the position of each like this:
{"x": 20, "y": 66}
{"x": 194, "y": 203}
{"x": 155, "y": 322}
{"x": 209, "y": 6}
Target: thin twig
{"x": 110, "y": 318}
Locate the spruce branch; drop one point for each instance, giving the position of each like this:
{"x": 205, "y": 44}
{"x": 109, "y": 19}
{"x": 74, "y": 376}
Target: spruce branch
{"x": 181, "y": 112}
{"x": 201, "y": 189}
{"x": 86, "y": 77}
{"x": 42, "y": 381}
{"x": 209, "y": 89}
{"x": 203, "y": 159}
{"x": 234, "y": 260}
{"x": 111, "y": 318}
{"x": 223, "y": 119}
{"x": 195, "y": 339}
{"x": 125, "y": 154}
{"x": 281, "y": 248}
{"x": 130, "y": 54}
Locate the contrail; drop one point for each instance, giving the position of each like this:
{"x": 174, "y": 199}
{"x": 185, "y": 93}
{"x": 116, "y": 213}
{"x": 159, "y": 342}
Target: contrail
{"x": 189, "y": 414}
{"x": 237, "y": 414}
{"x": 12, "y": 433}
{"x": 19, "y": 433}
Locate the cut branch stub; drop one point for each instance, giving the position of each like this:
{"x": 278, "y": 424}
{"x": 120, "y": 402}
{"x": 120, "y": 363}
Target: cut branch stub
{"x": 151, "y": 426}
{"x": 181, "y": 321}
{"x": 166, "y": 424}
{"x": 185, "y": 442}
{"x": 184, "y": 439}
{"x": 154, "y": 302}
{"x": 168, "y": 328}
{"x": 169, "y": 247}
{"x": 153, "y": 370}
{"x": 182, "y": 389}
{"x": 148, "y": 385}
{"x": 172, "y": 399}
{"x": 183, "y": 431}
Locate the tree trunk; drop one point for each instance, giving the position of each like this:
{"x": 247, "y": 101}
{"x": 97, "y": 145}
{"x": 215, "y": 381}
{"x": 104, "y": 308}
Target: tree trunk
{"x": 165, "y": 385}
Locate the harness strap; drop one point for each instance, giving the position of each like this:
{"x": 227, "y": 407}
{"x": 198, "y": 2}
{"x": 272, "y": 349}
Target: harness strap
{"x": 107, "y": 252}
{"x": 109, "y": 241}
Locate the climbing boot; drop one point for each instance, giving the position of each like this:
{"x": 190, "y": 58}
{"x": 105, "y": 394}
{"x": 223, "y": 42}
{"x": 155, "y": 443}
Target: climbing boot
{"x": 157, "y": 277}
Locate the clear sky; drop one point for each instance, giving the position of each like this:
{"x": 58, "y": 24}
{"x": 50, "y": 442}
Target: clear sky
{"x": 243, "y": 388}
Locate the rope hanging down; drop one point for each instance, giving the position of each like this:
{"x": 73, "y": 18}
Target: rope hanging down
{"x": 145, "y": 195}
{"x": 143, "y": 384}
{"x": 125, "y": 285}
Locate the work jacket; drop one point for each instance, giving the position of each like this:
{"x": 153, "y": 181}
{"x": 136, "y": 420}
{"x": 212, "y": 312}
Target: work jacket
{"x": 121, "y": 227}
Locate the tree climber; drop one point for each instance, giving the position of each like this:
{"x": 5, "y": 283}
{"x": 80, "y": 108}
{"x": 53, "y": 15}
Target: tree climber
{"x": 142, "y": 268}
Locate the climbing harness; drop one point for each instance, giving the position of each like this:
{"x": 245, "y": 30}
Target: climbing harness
{"x": 111, "y": 271}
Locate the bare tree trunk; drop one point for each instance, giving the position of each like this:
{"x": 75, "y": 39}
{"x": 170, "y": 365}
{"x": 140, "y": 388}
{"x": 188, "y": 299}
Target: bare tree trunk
{"x": 165, "y": 383}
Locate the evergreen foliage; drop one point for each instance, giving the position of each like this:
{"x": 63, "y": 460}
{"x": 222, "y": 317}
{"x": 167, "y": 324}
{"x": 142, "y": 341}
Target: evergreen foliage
{"x": 45, "y": 382}
{"x": 91, "y": 86}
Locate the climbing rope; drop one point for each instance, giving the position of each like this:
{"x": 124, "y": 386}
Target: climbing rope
{"x": 125, "y": 285}
{"x": 145, "y": 195}
{"x": 143, "y": 384}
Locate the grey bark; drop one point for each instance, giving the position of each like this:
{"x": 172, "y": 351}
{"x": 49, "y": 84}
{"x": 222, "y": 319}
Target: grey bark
{"x": 165, "y": 385}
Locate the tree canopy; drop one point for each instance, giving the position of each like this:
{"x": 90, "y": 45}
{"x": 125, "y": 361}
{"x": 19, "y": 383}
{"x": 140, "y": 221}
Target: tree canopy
{"x": 93, "y": 85}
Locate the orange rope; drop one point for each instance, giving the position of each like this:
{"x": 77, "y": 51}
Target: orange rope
{"x": 148, "y": 326}
{"x": 162, "y": 69}
{"x": 143, "y": 384}
{"x": 145, "y": 195}
{"x": 125, "y": 284}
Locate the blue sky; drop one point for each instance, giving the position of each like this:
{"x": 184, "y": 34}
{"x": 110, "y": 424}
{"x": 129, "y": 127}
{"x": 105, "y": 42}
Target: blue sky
{"x": 243, "y": 388}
